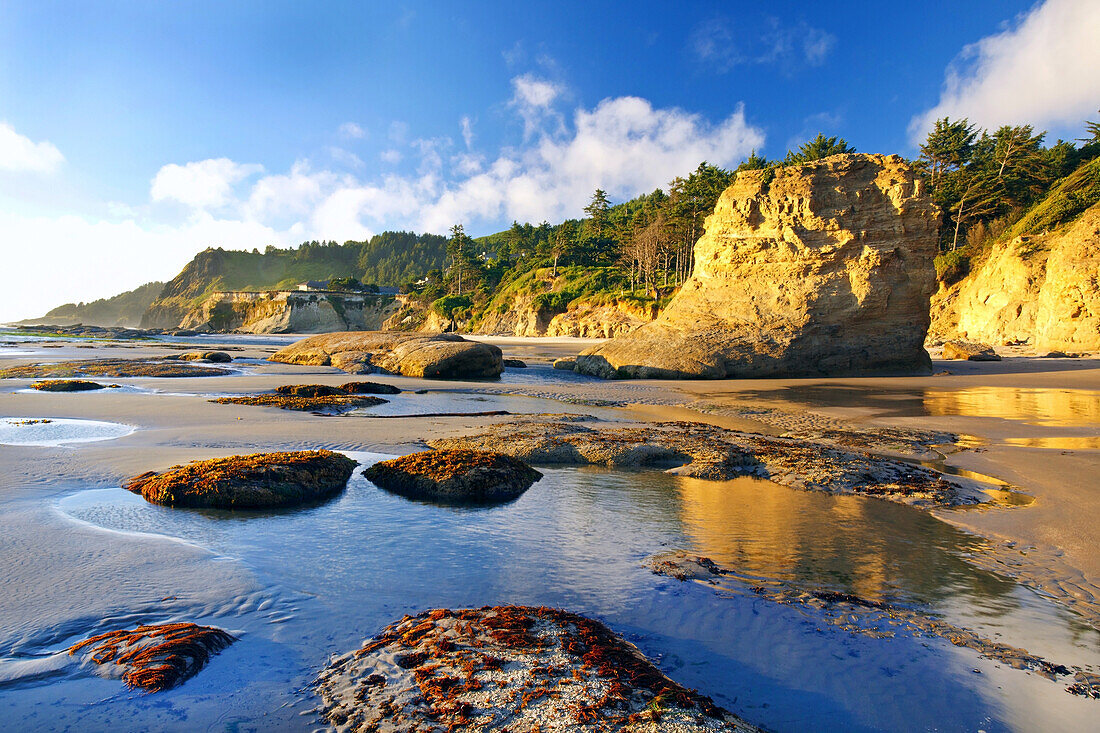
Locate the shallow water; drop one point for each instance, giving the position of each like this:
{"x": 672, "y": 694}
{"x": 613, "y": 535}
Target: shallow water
{"x": 57, "y": 431}
{"x": 339, "y": 572}
{"x": 426, "y": 403}
{"x": 1036, "y": 406}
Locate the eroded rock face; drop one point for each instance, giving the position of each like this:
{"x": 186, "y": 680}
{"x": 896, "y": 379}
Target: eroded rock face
{"x": 441, "y": 355}
{"x": 1042, "y": 289}
{"x": 823, "y": 269}
{"x": 254, "y": 481}
{"x": 455, "y": 476}
{"x": 508, "y": 667}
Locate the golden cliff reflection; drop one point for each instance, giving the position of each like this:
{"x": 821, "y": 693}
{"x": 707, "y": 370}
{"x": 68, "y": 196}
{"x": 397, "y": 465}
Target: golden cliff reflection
{"x": 1038, "y": 406}
{"x": 814, "y": 540}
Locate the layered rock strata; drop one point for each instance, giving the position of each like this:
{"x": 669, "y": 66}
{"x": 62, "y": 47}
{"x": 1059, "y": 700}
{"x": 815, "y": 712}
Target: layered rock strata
{"x": 816, "y": 269}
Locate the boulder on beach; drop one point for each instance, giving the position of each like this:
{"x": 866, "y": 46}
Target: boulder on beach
{"x": 536, "y": 668}
{"x": 515, "y": 363}
{"x": 310, "y": 390}
{"x": 435, "y": 355}
{"x": 69, "y": 385}
{"x": 320, "y": 398}
{"x": 969, "y": 351}
{"x": 565, "y": 364}
{"x": 154, "y": 658}
{"x": 454, "y": 476}
{"x": 818, "y": 269}
{"x": 256, "y": 481}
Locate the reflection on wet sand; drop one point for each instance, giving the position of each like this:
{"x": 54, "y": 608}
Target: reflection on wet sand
{"x": 1037, "y": 406}
{"x": 1074, "y": 442}
{"x": 869, "y": 548}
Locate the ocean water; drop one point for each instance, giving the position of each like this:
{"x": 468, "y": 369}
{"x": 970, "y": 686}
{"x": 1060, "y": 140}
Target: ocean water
{"x": 335, "y": 574}
{"x": 58, "y": 431}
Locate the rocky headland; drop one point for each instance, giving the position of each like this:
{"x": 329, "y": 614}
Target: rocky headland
{"x": 816, "y": 269}
{"x": 257, "y": 481}
{"x": 441, "y": 355}
{"x": 508, "y": 667}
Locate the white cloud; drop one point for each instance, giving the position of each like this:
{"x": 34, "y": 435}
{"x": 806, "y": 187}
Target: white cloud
{"x": 202, "y": 184}
{"x": 391, "y": 156}
{"x": 623, "y": 145}
{"x": 533, "y": 99}
{"x": 467, "y": 126}
{"x": 1043, "y": 70}
{"x": 721, "y": 46}
{"x": 352, "y": 130}
{"x": 345, "y": 157}
{"x": 21, "y": 154}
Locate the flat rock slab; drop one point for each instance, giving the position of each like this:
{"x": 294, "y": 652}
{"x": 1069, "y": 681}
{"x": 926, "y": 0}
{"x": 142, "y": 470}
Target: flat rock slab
{"x": 69, "y": 385}
{"x": 111, "y": 368}
{"x": 508, "y": 668}
{"x": 455, "y": 476}
{"x": 710, "y": 452}
{"x": 441, "y": 355}
{"x": 154, "y": 658}
{"x": 328, "y": 404}
{"x": 259, "y": 480}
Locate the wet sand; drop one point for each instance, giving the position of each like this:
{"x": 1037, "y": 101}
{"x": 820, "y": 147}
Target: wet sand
{"x": 1008, "y": 407}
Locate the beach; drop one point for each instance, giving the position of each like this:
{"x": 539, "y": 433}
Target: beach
{"x": 79, "y": 554}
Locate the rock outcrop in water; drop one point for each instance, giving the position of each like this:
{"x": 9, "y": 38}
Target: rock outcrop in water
{"x": 158, "y": 657}
{"x": 508, "y": 668}
{"x": 69, "y": 385}
{"x": 441, "y": 355}
{"x": 823, "y": 268}
{"x": 714, "y": 453}
{"x": 256, "y": 481}
{"x": 454, "y": 476}
{"x": 1041, "y": 289}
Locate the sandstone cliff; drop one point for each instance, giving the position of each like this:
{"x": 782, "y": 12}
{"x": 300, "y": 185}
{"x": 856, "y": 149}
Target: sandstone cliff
{"x": 289, "y": 312}
{"x": 816, "y": 269}
{"x": 1039, "y": 289}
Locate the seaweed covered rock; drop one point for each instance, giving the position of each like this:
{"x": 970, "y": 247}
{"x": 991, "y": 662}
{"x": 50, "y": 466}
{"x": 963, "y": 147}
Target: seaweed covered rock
{"x": 327, "y": 404}
{"x": 536, "y": 668}
{"x": 214, "y": 357}
{"x": 437, "y": 355}
{"x": 111, "y": 368}
{"x": 69, "y": 385}
{"x": 714, "y": 453}
{"x": 310, "y": 390}
{"x": 155, "y": 658}
{"x": 369, "y": 388}
{"x": 255, "y": 481}
{"x": 454, "y": 476}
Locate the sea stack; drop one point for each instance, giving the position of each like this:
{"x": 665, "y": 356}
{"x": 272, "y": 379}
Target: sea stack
{"x": 818, "y": 269}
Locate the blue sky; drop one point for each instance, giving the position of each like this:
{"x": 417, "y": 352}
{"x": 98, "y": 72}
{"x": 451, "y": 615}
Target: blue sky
{"x": 133, "y": 134}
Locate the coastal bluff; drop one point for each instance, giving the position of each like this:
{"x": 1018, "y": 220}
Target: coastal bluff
{"x": 1041, "y": 289}
{"x": 823, "y": 268}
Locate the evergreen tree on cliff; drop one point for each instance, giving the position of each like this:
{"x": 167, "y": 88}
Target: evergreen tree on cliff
{"x": 818, "y": 148}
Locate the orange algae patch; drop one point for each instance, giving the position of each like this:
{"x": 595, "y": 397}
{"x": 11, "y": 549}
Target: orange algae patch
{"x": 325, "y": 403}
{"x": 248, "y": 482}
{"x": 68, "y": 385}
{"x": 454, "y": 476}
{"x": 535, "y": 667}
{"x": 158, "y": 657}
